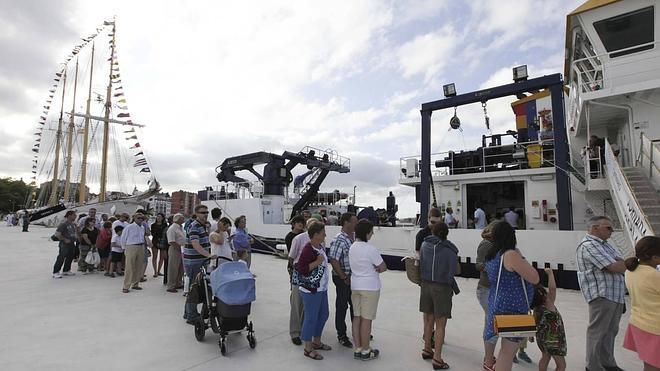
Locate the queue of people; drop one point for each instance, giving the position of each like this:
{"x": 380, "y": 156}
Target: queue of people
{"x": 508, "y": 283}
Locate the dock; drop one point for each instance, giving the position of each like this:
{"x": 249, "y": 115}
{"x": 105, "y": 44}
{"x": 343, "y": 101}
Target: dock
{"x": 86, "y": 323}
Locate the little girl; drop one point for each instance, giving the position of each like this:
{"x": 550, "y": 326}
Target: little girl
{"x": 550, "y": 335}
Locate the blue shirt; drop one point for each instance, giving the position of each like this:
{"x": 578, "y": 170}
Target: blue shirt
{"x": 593, "y": 255}
{"x": 196, "y": 232}
{"x": 241, "y": 240}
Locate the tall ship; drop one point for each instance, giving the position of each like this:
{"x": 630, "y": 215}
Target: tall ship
{"x": 86, "y": 151}
{"x": 581, "y": 143}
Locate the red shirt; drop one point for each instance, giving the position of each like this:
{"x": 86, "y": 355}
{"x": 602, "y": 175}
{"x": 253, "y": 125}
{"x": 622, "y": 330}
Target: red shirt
{"x": 103, "y": 240}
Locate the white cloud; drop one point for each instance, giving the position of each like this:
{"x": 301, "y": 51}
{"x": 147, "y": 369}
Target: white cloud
{"x": 427, "y": 54}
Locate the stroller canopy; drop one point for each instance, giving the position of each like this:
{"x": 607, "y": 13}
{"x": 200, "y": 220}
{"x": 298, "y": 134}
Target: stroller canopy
{"x": 233, "y": 283}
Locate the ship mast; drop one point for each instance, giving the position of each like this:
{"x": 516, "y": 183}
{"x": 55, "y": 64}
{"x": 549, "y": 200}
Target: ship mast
{"x": 69, "y": 142}
{"x": 82, "y": 193}
{"x": 58, "y": 147}
{"x": 106, "y": 122}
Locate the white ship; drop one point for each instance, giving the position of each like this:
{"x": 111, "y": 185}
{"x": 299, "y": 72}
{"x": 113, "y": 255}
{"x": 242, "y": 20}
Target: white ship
{"x": 542, "y": 167}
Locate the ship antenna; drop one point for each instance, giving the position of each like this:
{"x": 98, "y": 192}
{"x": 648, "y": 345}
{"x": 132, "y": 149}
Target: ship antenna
{"x": 58, "y": 147}
{"x": 82, "y": 193}
{"x": 106, "y": 119}
{"x": 69, "y": 141}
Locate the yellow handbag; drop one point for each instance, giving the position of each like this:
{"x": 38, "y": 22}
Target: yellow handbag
{"x": 513, "y": 325}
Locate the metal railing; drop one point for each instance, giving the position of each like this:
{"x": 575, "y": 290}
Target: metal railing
{"x": 517, "y": 156}
{"x": 647, "y": 158}
{"x": 333, "y": 156}
{"x": 242, "y": 190}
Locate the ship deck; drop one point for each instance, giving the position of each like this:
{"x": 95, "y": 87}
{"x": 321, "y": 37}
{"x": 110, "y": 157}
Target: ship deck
{"x": 85, "y": 322}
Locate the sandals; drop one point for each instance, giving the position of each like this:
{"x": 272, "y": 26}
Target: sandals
{"x": 321, "y": 346}
{"x": 313, "y": 354}
{"x": 439, "y": 364}
{"x": 427, "y": 354}
{"x": 486, "y": 367}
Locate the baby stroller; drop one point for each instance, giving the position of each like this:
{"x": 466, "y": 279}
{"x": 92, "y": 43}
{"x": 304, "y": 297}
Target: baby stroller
{"x": 228, "y": 293}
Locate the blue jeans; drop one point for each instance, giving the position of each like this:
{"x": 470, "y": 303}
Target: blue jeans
{"x": 482, "y": 297}
{"x": 191, "y": 267}
{"x": 315, "y": 309}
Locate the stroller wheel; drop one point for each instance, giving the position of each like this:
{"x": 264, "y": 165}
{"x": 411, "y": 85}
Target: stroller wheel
{"x": 223, "y": 348}
{"x": 200, "y": 330}
{"x": 252, "y": 340}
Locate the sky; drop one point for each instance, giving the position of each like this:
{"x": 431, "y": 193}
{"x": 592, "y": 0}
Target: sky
{"x": 211, "y": 80}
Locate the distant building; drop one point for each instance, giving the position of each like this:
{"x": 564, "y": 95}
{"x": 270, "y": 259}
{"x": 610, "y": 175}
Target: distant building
{"x": 184, "y": 202}
{"x": 161, "y": 203}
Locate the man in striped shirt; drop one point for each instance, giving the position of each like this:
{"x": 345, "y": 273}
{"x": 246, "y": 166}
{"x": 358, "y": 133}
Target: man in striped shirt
{"x": 600, "y": 274}
{"x": 195, "y": 253}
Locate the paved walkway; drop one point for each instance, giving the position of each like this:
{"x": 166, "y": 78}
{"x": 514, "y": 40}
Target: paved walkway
{"x": 86, "y": 323}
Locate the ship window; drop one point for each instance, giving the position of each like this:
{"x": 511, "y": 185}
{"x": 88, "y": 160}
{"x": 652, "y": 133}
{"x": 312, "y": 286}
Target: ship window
{"x": 626, "y": 31}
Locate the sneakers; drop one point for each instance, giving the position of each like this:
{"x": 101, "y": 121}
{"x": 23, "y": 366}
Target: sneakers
{"x": 524, "y": 357}
{"x": 57, "y": 275}
{"x": 369, "y": 355}
{"x": 69, "y": 273}
{"x": 357, "y": 353}
{"x": 515, "y": 359}
{"x": 345, "y": 342}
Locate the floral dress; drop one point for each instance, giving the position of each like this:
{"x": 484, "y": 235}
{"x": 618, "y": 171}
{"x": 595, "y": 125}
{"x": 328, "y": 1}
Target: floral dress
{"x": 550, "y": 334}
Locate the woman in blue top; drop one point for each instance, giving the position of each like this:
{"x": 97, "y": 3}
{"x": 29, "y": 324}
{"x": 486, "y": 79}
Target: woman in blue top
{"x": 509, "y": 296}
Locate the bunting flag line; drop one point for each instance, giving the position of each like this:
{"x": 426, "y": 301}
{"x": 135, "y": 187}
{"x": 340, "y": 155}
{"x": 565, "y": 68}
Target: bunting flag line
{"x": 139, "y": 153}
{"x": 123, "y": 115}
{"x": 141, "y": 162}
{"x": 130, "y": 131}
{"x": 132, "y": 137}
{"x": 145, "y": 170}
{"x": 137, "y": 145}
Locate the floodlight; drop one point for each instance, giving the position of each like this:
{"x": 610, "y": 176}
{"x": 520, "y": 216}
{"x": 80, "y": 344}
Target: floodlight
{"x": 449, "y": 90}
{"x": 520, "y": 73}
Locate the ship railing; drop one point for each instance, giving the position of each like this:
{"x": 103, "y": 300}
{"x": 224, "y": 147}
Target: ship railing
{"x": 593, "y": 164}
{"x": 238, "y": 190}
{"x": 333, "y": 156}
{"x": 517, "y": 156}
{"x": 648, "y": 157}
{"x": 591, "y": 71}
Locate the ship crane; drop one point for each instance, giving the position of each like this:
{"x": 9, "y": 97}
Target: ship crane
{"x": 277, "y": 175}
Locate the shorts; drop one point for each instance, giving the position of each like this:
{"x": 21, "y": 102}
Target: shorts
{"x": 117, "y": 257}
{"x": 365, "y": 303}
{"x": 104, "y": 253}
{"x": 435, "y": 298}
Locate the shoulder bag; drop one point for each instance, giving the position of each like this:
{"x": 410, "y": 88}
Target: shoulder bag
{"x": 309, "y": 280}
{"x": 513, "y": 325}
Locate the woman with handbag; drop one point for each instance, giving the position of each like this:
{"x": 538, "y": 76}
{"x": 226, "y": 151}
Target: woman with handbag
{"x": 312, "y": 276}
{"x": 88, "y": 236}
{"x": 438, "y": 259}
{"x": 512, "y": 281}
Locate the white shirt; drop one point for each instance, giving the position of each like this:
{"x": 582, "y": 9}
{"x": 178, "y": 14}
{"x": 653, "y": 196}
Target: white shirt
{"x": 214, "y": 226}
{"x": 364, "y": 258}
{"x": 479, "y": 219}
{"x": 116, "y": 223}
{"x": 450, "y": 220}
{"x": 511, "y": 217}
{"x": 176, "y": 234}
{"x": 222, "y": 249}
{"x": 133, "y": 234}
{"x": 115, "y": 244}
{"x": 323, "y": 285}
{"x": 297, "y": 245}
